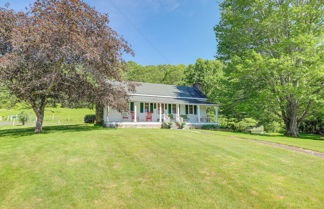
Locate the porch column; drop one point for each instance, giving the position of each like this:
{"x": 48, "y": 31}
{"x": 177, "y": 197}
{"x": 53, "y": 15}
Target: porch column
{"x": 107, "y": 113}
{"x": 160, "y": 113}
{"x": 198, "y": 111}
{"x": 178, "y": 112}
{"x": 216, "y": 114}
{"x": 135, "y": 112}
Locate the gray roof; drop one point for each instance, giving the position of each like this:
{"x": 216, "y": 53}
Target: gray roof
{"x": 168, "y": 90}
{"x": 170, "y": 94}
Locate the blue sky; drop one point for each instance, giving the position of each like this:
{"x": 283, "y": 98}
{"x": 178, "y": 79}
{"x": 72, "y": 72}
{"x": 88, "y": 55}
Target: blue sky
{"x": 160, "y": 31}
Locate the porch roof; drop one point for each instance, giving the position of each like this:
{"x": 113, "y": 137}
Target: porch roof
{"x": 168, "y": 100}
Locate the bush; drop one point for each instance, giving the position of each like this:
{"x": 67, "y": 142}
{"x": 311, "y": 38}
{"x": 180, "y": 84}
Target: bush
{"x": 234, "y": 124}
{"x": 314, "y": 125}
{"x": 23, "y": 117}
{"x": 182, "y": 125}
{"x": 245, "y": 124}
{"x": 231, "y": 123}
{"x": 167, "y": 125}
{"x": 274, "y": 127}
{"x": 209, "y": 127}
{"x": 184, "y": 117}
{"x": 257, "y": 130}
{"x": 89, "y": 118}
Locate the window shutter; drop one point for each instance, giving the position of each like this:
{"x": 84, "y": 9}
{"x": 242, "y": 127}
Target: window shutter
{"x": 187, "y": 109}
{"x": 195, "y": 109}
{"x": 142, "y": 107}
{"x": 169, "y": 108}
{"x": 151, "y": 107}
{"x": 132, "y": 106}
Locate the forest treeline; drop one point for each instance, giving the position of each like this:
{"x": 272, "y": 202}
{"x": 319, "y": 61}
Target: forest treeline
{"x": 211, "y": 74}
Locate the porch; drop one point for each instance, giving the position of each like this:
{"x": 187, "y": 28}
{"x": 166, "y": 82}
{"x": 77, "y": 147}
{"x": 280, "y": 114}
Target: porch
{"x": 152, "y": 115}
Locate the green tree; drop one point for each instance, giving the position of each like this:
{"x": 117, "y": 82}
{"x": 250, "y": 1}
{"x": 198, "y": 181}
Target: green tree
{"x": 61, "y": 51}
{"x": 274, "y": 51}
{"x": 164, "y": 74}
{"x": 208, "y": 73}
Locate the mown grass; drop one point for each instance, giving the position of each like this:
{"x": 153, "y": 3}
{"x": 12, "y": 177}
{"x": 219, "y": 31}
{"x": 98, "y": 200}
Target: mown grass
{"x": 93, "y": 167}
{"x": 307, "y": 141}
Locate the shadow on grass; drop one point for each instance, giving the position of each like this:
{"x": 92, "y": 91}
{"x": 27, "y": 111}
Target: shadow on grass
{"x": 18, "y": 132}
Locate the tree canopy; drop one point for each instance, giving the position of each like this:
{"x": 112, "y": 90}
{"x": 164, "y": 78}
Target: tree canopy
{"x": 165, "y": 74}
{"x": 274, "y": 56}
{"x": 61, "y": 50}
{"x": 209, "y": 74}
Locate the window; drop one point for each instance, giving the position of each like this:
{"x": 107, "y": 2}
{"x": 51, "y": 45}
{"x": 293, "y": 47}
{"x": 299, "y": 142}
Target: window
{"x": 174, "y": 108}
{"x": 169, "y": 108}
{"x": 142, "y": 107}
{"x": 154, "y": 105}
{"x": 191, "y": 109}
{"x": 146, "y": 107}
{"x": 131, "y": 107}
{"x": 151, "y": 107}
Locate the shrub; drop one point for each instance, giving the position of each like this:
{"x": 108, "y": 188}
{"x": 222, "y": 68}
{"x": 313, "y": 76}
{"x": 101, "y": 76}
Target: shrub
{"x": 184, "y": 117}
{"x": 231, "y": 123}
{"x": 167, "y": 125}
{"x": 182, "y": 125}
{"x": 89, "y": 118}
{"x": 313, "y": 125}
{"x": 244, "y": 124}
{"x": 23, "y": 117}
{"x": 170, "y": 124}
{"x": 222, "y": 121}
{"x": 274, "y": 127}
{"x": 208, "y": 127}
{"x": 257, "y": 130}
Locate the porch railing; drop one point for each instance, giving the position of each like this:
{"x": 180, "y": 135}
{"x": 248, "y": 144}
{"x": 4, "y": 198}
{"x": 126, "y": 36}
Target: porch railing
{"x": 166, "y": 118}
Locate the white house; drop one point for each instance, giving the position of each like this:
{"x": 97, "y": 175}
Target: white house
{"x": 152, "y": 104}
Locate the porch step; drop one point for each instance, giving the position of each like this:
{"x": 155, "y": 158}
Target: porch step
{"x": 176, "y": 126}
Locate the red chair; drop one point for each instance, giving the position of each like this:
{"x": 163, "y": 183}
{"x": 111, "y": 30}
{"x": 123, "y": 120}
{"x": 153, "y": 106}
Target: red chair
{"x": 133, "y": 116}
{"x": 125, "y": 115}
{"x": 149, "y": 116}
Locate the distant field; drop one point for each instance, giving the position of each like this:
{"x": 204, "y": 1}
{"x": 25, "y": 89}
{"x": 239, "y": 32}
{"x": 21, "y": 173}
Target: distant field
{"x": 92, "y": 167}
{"x": 52, "y": 115}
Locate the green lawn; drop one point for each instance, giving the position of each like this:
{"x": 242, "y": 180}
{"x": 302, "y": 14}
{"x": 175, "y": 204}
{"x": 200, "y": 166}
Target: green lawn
{"x": 312, "y": 142}
{"x": 52, "y": 115}
{"x": 93, "y": 167}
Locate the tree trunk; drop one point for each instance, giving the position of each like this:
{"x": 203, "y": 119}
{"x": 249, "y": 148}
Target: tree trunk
{"x": 39, "y": 122}
{"x": 291, "y": 120}
{"x": 292, "y": 127}
{"x": 39, "y": 111}
{"x": 99, "y": 114}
